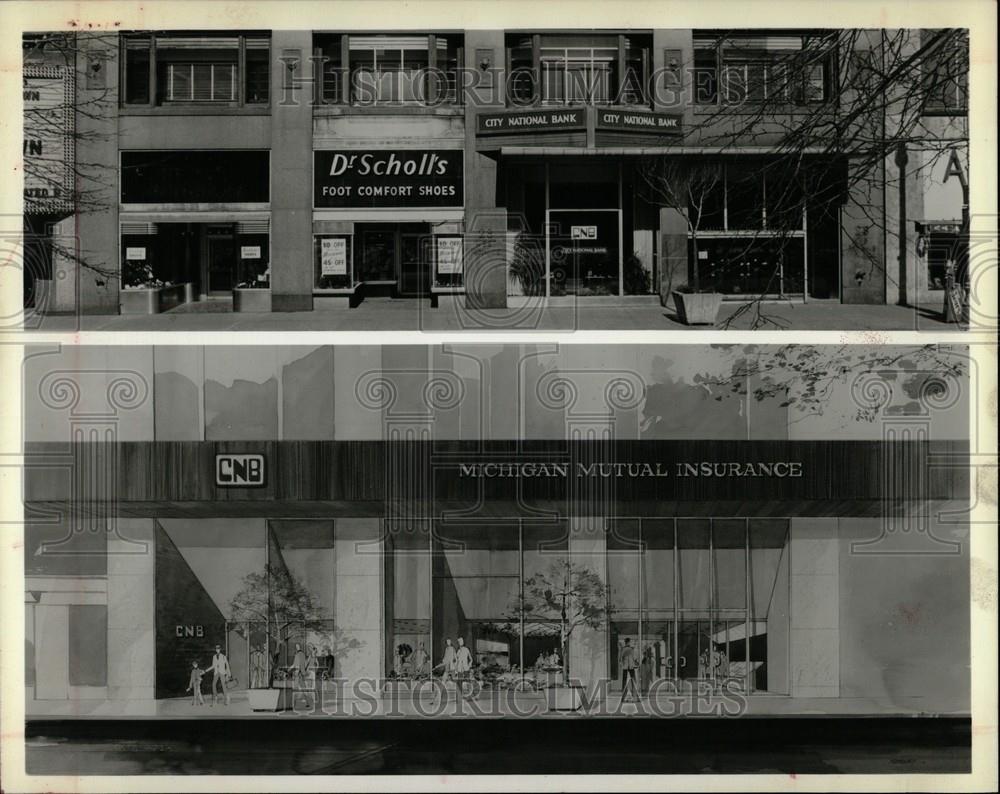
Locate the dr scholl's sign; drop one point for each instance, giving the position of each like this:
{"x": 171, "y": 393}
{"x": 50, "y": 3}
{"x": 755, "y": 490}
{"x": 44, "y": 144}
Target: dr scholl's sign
{"x": 393, "y": 178}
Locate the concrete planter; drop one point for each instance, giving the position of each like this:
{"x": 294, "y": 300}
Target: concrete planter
{"x": 565, "y": 697}
{"x": 272, "y": 699}
{"x": 153, "y": 300}
{"x": 697, "y": 308}
{"x": 251, "y": 300}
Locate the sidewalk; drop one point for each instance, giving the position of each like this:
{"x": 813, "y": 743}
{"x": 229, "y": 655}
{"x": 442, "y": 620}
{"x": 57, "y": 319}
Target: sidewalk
{"x": 387, "y": 314}
{"x": 521, "y": 705}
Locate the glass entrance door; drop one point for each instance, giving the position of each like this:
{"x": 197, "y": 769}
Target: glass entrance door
{"x": 584, "y": 252}
{"x": 221, "y": 260}
{"x": 414, "y": 263}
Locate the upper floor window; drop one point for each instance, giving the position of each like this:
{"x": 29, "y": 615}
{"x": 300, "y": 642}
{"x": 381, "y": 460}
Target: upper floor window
{"x": 195, "y": 69}
{"x": 388, "y": 69}
{"x": 601, "y": 69}
{"x": 946, "y": 72}
{"x": 782, "y": 69}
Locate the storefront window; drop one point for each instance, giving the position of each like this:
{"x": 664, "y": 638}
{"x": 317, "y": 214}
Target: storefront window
{"x": 476, "y": 592}
{"x": 196, "y": 69}
{"x": 408, "y": 599}
{"x": 449, "y": 261}
{"x": 749, "y": 236}
{"x": 678, "y": 592}
{"x": 333, "y": 255}
{"x": 780, "y": 68}
{"x": 254, "y": 263}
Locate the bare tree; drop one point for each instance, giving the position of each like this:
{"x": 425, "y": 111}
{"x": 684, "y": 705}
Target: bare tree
{"x": 73, "y": 185}
{"x": 832, "y": 116}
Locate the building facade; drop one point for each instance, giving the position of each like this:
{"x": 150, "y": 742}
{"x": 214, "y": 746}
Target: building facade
{"x": 294, "y": 170}
{"x": 371, "y": 507}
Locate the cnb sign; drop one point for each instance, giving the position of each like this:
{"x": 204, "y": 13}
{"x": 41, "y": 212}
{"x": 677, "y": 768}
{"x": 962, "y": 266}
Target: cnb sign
{"x": 239, "y": 471}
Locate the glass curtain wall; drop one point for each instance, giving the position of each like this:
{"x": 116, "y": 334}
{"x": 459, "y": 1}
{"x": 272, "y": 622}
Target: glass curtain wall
{"x": 703, "y": 600}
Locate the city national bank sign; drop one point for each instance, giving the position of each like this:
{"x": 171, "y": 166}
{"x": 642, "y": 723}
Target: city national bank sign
{"x": 388, "y": 178}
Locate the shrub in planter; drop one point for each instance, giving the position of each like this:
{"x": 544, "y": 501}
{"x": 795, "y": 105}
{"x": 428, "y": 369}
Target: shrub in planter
{"x": 526, "y": 270}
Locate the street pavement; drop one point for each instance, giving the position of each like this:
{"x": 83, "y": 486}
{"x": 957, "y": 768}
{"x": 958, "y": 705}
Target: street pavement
{"x": 387, "y": 314}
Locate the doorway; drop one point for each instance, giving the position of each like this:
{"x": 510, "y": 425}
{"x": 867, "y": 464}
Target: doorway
{"x": 219, "y": 260}
{"x": 584, "y": 252}
{"x": 394, "y": 259}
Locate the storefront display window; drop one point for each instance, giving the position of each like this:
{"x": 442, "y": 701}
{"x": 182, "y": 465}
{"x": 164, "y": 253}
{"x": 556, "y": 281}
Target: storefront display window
{"x": 678, "y": 590}
{"x": 333, "y": 255}
{"x": 449, "y": 261}
{"x": 749, "y": 233}
{"x": 214, "y": 257}
{"x": 254, "y": 263}
{"x": 196, "y": 69}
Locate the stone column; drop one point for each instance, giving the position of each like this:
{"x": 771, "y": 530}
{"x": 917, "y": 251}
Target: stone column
{"x": 814, "y": 623}
{"x": 291, "y": 171}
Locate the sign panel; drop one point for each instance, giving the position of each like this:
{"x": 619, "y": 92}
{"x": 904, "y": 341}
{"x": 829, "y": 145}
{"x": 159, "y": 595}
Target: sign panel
{"x": 333, "y": 256}
{"x": 389, "y": 178}
{"x": 249, "y": 252}
{"x": 531, "y": 121}
{"x": 239, "y": 471}
{"x": 944, "y": 176}
{"x": 639, "y": 121}
{"x": 449, "y": 255}
{"x": 583, "y": 233}
{"x": 48, "y": 148}
{"x": 136, "y": 254}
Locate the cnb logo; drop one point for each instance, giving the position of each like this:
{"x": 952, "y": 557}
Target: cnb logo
{"x": 241, "y": 471}
{"x": 583, "y": 233}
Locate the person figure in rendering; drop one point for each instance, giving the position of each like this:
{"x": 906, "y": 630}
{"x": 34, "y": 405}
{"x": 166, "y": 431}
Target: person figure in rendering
{"x": 463, "y": 660}
{"x": 628, "y": 663}
{"x": 449, "y": 660}
{"x": 646, "y": 670}
{"x": 194, "y": 685}
{"x": 257, "y": 668}
{"x": 299, "y": 666}
{"x": 220, "y": 674}
{"x": 418, "y": 661}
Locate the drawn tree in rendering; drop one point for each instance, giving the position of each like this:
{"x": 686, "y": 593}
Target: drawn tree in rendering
{"x": 835, "y": 118}
{"x": 902, "y": 380}
{"x": 567, "y": 593}
{"x": 277, "y": 601}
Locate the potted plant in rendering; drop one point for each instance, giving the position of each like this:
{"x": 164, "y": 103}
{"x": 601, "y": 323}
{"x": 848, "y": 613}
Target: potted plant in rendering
{"x": 686, "y": 186}
{"x": 278, "y": 602}
{"x": 572, "y": 596}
